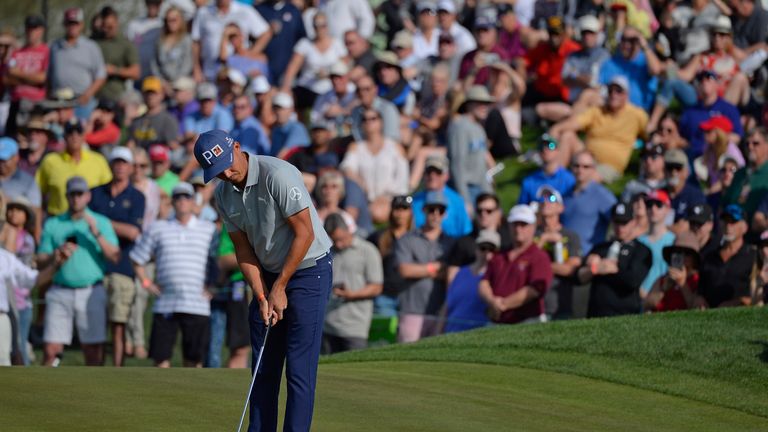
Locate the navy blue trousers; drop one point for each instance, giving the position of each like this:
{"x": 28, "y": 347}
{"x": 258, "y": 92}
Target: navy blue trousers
{"x": 295, "y": 341}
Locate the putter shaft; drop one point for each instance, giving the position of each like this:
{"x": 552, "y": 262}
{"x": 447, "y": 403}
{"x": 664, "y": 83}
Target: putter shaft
{"x": 253, "y": 379}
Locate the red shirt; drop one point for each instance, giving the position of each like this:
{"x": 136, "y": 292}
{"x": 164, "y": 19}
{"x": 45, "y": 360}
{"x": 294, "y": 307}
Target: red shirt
{"x": 531, "y": 268}
{"x": 673, "y": 298}
{"x": 109, "y": 134}
{"x": 548, "y": 67}
{"x": 30, "y": 60}
{"x": 481, "y": 76}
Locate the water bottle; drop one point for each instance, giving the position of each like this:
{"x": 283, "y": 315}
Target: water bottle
{"x": 613, "y": 251}
{"x": 559, "y": 256}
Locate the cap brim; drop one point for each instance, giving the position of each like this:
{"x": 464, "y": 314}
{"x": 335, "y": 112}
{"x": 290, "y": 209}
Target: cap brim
{"x": 212, "y": 171}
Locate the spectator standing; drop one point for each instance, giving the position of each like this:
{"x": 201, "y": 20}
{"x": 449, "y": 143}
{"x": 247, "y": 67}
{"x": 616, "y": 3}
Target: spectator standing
{"x": 124, "y": 206}
{"x": 183, "y": 102}
{"x": 552, "y": 173}
{"x": 425, "y": 37}
{"x": 120, "y": 57}
{"x": 349, "y": 15}
{"x": 361, "y": 54}
{"x": 26, "y": 73}
{"x": 208, "y": 28}
{"x": 144, "y": 32}
{"x": 420, "y": 256}
{"x": 474, "y": 64}
{"x": 336, "y": 105}
{"x": 160, "y": 157}
{"x": 173, "y": 52}
{"x": 156, "y": 125}
{"x": 247, "y": 130}
{"x": 456, "y": 222}
{"x": 682, "y": 193}
{"x": 658, "y": 205}
{"x": 750, "y": 184}
{"x": 238, "y": 339}
{"x": 468, "y": 147}
{"x": 357, "y": 280}
{"x": 701, "y": 224}
{"x": 77, "y": 295}
{"x": 284, "y": 18}
{"x": 726, "y": 271}
{"x": 651, "y": 172}
{"x": 76, "y": 159}
{"x": 288, "y": 133}
{"x": 182, "y": 249}
{"x": 446, "y": 18}
{"x": 465, "y": 308}
{"x": 516, "y": 281}
{"x": 16, "y": 183}
{"x": 77, "y": 63}
{"x": 616, "y": 268}
{"x": 390, "y": 117}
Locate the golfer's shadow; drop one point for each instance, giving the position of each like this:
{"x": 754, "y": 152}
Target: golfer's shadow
{"x": 763, "y": 356}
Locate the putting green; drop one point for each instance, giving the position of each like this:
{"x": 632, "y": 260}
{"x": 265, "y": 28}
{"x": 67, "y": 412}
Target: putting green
{"x": 364, "y": 396}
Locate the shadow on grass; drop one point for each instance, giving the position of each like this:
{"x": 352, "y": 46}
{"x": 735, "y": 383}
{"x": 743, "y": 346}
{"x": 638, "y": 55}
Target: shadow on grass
{"x": 763, "y": 356}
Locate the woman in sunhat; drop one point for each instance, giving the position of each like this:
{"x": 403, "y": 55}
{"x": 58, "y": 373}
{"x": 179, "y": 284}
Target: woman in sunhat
{"x": 676, "y": 290}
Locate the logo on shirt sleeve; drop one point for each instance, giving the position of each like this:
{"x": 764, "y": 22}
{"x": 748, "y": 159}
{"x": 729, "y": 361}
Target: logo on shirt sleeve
{"x": 294, "y": 194}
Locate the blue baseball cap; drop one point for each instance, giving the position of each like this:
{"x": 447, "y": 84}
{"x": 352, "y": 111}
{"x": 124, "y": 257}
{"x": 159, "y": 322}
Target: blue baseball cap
{"x": 733, "y": 212}
{"x": 213, "y": 151}
{"x": 8, "y": 148}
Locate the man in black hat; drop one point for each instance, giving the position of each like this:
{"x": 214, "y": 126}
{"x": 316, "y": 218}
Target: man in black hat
{"x": 651, "y": 172}
{"x": 27, "y": 73}
{"x": 701, "y": 224}
{"x": 616, "y": 268}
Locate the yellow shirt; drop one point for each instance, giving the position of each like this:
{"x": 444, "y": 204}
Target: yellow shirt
{"x": 611, "y": 136}
{"x": 57, "y": 168}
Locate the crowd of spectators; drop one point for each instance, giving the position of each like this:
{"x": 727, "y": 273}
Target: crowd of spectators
{"x": 648, "y": 190}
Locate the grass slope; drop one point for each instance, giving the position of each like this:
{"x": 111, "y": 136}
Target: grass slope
{"x": 718, "y": 357}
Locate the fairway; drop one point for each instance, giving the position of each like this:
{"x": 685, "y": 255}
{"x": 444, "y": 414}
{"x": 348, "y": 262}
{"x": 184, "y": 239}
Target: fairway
{"x": 670, "y": 372}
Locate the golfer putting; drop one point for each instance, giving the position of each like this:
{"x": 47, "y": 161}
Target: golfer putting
{"x": 284, "y": 254}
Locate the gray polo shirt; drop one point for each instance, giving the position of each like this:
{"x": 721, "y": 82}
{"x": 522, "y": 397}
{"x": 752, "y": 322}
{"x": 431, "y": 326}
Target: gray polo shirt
{"x": 274, "y": 191}
{"x": 21, "y": 184}
{"x": 355, "y": 267}
{"x": 75, "y": 66}
{"x": 425, "y": 295}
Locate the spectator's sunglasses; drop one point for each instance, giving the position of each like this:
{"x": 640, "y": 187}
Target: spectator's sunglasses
{"x": 654, "y": 203}
{"x": 367, "y": 119}
{"x": 581, "y": 166}
{"x": 434, "y": 208}
{"x": 673, "y": 167}
{"x": 486, "y": 210}
{"x": 615, "y": 89}
{"x": 487, "y": 247}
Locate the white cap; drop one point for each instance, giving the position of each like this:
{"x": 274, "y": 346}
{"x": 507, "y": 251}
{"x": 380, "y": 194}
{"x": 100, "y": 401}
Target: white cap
{"x": 260, "y": 85}
{"x": 522, "y": 213}
{"x": 282, "y": 100}
{"x": 122, "y": 153}
{"x": 589, "y": 23}
{"x": 447, "y": 5}
{"x": 339, "y": 69}
{"x": 236, "y": 77}
{"x": 621, "y": 81}
{"x": 184, "y": 83}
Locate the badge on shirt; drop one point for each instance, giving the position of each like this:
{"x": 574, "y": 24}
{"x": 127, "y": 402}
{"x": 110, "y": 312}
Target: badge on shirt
{"x": 294, "y": 194}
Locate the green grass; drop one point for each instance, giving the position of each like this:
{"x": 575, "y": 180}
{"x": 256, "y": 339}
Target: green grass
{"x": 703, "y": 371}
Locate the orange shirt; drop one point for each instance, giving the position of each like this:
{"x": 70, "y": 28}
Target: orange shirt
{"x": 547, "y": 65}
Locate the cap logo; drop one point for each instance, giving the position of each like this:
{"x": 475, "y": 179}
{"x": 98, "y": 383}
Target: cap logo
{"x": 215, "y": 152}
{"x": 697, "y": 210}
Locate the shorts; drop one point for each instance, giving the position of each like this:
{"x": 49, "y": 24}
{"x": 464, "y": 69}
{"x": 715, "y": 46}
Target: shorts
{"x": 238, "y": 333}
{"x": 86, "y": 307}
{"x": 121, "y": 291}
{"x": 195, "y": 333}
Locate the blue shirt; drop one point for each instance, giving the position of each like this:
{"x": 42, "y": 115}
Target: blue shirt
{"x": 692, "y": 118}
{"x": 688, "y": 197}
{"x": 642, "y": 85}
{"x": 562, "y": 180}
{"x": 290, "y": 135}
{"x": 658, "y": 266}
{"x": 588, "y": 214}
{"x": 456, "y": 222}
{"x": 288, "y": 28}
{"x": 221, "y": 118}
{"x": 465, "y": 309}
{"x": 127, "y": 207}
{"x": 182, "y": 113}
{"x": 354, "y": 196}
{"x": 251, "y": 136}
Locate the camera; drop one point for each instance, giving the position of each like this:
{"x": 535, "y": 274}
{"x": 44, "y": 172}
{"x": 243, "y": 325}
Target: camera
{"x": 72, "y": 239}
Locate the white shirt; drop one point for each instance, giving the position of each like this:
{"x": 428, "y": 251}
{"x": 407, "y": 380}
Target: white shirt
{"x": 13, "y": 273}
{"x": 346, "y": 15}
{"x": 423, "y": 47}
{"x": 209, "y": 23}
{"x": 463, "y": 39}
{"x": 384, "y": 173}
{"x": 317, "y": 64}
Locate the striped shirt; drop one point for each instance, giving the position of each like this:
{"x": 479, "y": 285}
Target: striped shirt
{"x": 181, "y": 254}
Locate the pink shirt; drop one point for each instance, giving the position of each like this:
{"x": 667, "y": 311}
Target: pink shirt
{"x": 30, "y": 60}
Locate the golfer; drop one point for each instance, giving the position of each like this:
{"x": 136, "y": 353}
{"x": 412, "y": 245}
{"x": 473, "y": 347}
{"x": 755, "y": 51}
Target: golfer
{"x": 283, "y": 251}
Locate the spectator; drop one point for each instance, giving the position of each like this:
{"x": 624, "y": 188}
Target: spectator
{"x": 336, "y": 104}
{"x": 668, "y": 133}
{"x": 366, "y": 93}
{"x": 651, "y": 175}
{"x": 211, "y": 114}
{"x": 183, "y": 102}
{"x": 173, "y": 58}
{"x": 563, "y": 247}
{"x": 235, "y": 54}
{"x": 396, "y": 13}
{"x": 247, "y": 130}
{"x": 709, "y": 104}
{"x": 504, "y": 122}
{"x": 377, "y": 164}
{"x": 640, "y": 211}
{"x": 77, "y": 294}
{"x": 552, "y": 173}
{"x": 446, "y": 58}
{"x": 718, "y": 147}
{"x": 101, "y": 131}
{"x": 750, "y": 25}
{"x": 616, "y": 268}
{"x": 34, "y": 143}
{"x": 611, "y": 130}
{"x": 468, "y": 146}
{"x": 285, "y": 36}
{"x": 312, "y": 61}
{"x": 637, "y": 62}
{"x": 156, "y": 125}
{"x": 391, "y": 84}
{"x": 676, "y": 290}
{"x": 446, "y": 18}
{"x": 726, "y": 272}
{"x": 144, "y": 32}
{"x": 701, "y": 224}
{"x": 208, "y": 28}
{"x": 26, "y": 74}
{"x": 263, "y": 93}
{"x": 236, "y": 305}
{"x": 182, "y": 248}
{"x": 361, "y": 54}
{"x": 77, "y": 63}
{"x": 329, "y": 193}
{"x": 657, "y": 238}
{"x": 124, "y": 206}
{"x": 120, "y": 57}
{"x": 160, "y": 158}
{"x": 287, "y": 133}
{"x": 474, "y": 64}
{"x": 420, "y": 256}
{"x": 750, "y": 184}
{"x": 348, "y": 15}
{"x": 16, "y": 183}
{"x": 682, "y": 193}
{"x": 358, "y": 278}
{"x": 456, "y": 222}
{"x": 516, "y": 281}
{"x": 75, "y": 160}
{"x": 424, "y": 40}
{"x": 545, "y": 63}
{"x": 465, "y": 308}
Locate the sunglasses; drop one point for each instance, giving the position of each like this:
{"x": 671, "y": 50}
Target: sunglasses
{"x": 615, "y": 89}
{"x": 481, "y": 210}
{"x": 487, "y": 248}
{"x": 673, "y": 167}
{"x": 654, "y": 203}
{"x": 365, "y": 89}
{"x": 433, "y": 209}
{"x": 429, "y": 171}
{"x": 582, "y": 166}
{"x": 370, "y": 118}
{"x": 753, "y": 143}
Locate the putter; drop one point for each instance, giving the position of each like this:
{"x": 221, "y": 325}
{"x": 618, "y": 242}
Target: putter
{"x": 255, "y": 371}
